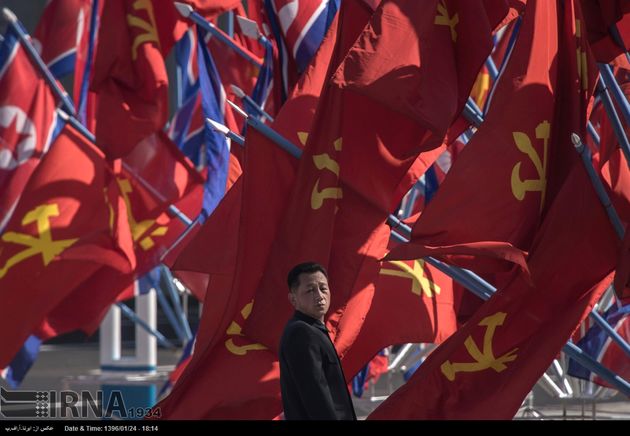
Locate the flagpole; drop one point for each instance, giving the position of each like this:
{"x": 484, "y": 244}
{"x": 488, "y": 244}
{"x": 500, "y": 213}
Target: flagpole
{"x": 611, "y": 332}
{"x": 187, "y": 11}
{"x": 492, "y": 68}
{"x": 504, "y": 61}
{"x": 466, "y": 278}
{"x": 181, "y": 328}
{"x": 218, "y": 127}
{"x": 608, "y": 82}
{"x": 83, "y": 94}
{"x": 585, "y": 154}
{"x": 170, "y": 288}
{"x": 261, "y": 90}
{"x": 591, "y": 130}
{"x": 136, "y": 319}
{"x": 230, "y": 23}
{"x": 589, "y": 363}
{"x": 472, "y": 113}
{"x": 246, "y": 98}
{"x": 169, "y": 312}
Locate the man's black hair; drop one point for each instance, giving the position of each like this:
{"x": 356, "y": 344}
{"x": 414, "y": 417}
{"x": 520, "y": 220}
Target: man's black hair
{"x": 293, "y": 279}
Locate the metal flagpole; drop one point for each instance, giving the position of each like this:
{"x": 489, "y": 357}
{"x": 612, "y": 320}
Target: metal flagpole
{"x": 607, "y": 83}
{"x": 187, "y": 11}
{"x": 138, "y": 321}
{"x": 241, "y": 94}
{"x": 170, "y": 288}
{"x": 168, "y": 310}
{"x": 585, "y": 154}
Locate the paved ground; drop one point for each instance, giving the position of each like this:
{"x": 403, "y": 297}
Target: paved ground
{"x": 74, "y": 367}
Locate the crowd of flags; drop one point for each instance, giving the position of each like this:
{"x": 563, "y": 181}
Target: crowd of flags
{"x": 394, "y": 142}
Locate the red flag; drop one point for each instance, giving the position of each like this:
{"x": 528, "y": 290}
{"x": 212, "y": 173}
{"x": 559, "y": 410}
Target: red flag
{"x": 600, "y": 16}
{"x": 86, "y": 306}
{"x": 234, "y": 70}
{"x": 424, "y": 62}
{"x": 172, "y": 179}
{"x": 484, "y": 82}
{"x": 63, "y": 230}
{"x": 129, "y": 73}
{"x": 63, "y": 24}
{"x": 503, "y": 171}
{"x": 27, "y": 122}
{"x": 413, "y": 302}
{"x": 485, "y": 370}
{"x": 240, "y": 381}
{"x": 198, "y": 260}
{"x": 338, "y": 205}
{"x": 230, "y": 275}
{"x": 294, "y": 123}
{"x": 488, "y": 366}
{"x": 232, "y": 285}
{"x": 161, "y": 172}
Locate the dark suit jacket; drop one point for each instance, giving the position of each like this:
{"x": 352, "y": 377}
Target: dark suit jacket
{"x": 311, "y": 378}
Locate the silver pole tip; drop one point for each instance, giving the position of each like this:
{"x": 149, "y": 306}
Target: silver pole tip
{"x": 218, "y": 127}
{"x": 184, "y": 9}
{"x": 237, "y": 91}
{"x": 240, "y": 111}
{"x": 9, "y": 15}
{"x": 575, "y": 139}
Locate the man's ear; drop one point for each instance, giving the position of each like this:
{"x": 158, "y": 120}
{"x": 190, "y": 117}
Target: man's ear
{"x": 292, "y": 300}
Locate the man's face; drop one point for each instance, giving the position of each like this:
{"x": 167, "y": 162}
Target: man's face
{"x": 312, "y": 296}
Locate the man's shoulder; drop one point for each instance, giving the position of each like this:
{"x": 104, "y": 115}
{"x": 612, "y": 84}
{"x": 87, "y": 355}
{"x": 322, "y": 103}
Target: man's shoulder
{"x": 296, "y": 325}
{"x": 297, "y": 330}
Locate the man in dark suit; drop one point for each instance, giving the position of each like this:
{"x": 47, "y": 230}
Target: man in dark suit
{"x": 311, "y": 378}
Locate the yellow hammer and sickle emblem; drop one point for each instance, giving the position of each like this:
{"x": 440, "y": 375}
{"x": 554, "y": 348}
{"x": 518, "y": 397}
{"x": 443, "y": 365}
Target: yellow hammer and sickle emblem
{"x": 443, "y": 19}
{"x": 148, "y": 27}
{"x": 483, "y": 360}
{"x": 139, "y": 229}
{"x": 523, "y": 143}
{"x": 110, "y": 211}
{"x": 419, "y": 283}
{"x": 582, "y": 64}
{"x": 324, "y": 161}
{"x": 43, "y": 245}
{"x": 235, "y": 330}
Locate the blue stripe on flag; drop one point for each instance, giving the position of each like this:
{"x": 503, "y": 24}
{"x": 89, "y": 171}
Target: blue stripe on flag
{"x": 217, "y": 149}
{"x": 16, "y": 371}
